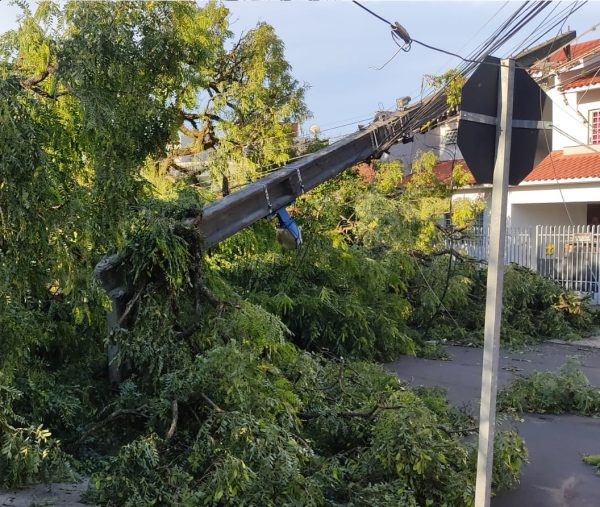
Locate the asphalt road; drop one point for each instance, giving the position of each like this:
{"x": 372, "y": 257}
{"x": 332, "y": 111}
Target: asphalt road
{"x": 555, "y": 475}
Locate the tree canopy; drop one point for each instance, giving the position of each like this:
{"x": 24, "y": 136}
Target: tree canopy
{"x": 248, "y": 370}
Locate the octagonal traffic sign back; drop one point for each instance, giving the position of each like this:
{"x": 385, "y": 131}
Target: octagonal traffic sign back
{"x": 477, "y": 133}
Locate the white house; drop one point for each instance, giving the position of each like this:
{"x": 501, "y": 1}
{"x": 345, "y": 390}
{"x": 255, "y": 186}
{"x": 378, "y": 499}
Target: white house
{"x": 554, "y": 213}
{"x": 564, "y": 189}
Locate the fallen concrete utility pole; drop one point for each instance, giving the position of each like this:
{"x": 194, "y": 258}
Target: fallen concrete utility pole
{"x": 266, "y": 196}
{"x": 256, "y": 201}
{"x": 279, "y": 189}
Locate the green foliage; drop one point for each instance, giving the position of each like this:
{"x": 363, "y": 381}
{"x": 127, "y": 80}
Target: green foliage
{"x": 344, "y": 289}
{"x": 243, "y": 384}
{"x": 252, "y": 92}
{"x": 27, "y": 453}
{"x": 326, "y": 432}
{"x": 565, "y": 391}
{"x": 534, "y": 307}
{"x": 426, "y": 199}
{"x": 137, "y": 477}
{"x": 594, "y": 460}
{"x": 451, "y": 82}
{"x": 510, "y": 454}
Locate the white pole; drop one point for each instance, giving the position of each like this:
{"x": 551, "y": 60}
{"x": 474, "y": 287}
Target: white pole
{"x": 495, "y": 283}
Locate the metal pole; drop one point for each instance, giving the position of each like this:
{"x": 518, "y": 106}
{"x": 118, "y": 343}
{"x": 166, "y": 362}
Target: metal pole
{"x": 495, "y": 283}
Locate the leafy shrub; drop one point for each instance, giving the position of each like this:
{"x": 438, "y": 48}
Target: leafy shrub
{"x": 594, "y": 460}
{"x": 564, "y": 391}
{"x": 355, "y": 433}
{"x": 27, "y": 453}
{"x": 534, "y": 308}
{"x": 509, "y": 455}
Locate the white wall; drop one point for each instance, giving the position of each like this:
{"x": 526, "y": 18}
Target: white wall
{"x": 433, "y": 140}
{"x": 540, "y": 204}
{"x": 570, "y": 114}
{"x": 544, "y": 204}
{"x": 529, "y": 215}
{"x": 552, "y": 193}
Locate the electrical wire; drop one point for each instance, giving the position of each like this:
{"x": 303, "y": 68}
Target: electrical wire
{"x": 446, "y": 52}
{"x": 562, "y": 16}
{"x": 373, "y": 13}
{"x": 399, "y": 34}
{"x": 575, "y": 140}
{"x": 388, "y": 61}
{"x": 434, "y": 106}
{"x": 549, "y": 147}
{"x": 535, "y": 30}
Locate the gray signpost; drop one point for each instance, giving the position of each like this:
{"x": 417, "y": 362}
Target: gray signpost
{"x": 495, "y": 279}
{"x": 504, "y": 113}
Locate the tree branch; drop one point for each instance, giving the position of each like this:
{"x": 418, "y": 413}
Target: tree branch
{"x": 367, "y": 414}
{"x": 33, "y": 82}
{"x": 213, "y": 405}
{"x": 438, "y": 253}
{"x": 173, "y": 427}
{"x": 116, "y": 414}
{"x": 130, "y": 306}
{"x": 36, "y": 80}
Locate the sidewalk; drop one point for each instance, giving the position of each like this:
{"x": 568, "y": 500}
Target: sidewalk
{"x": 555, "y": 476}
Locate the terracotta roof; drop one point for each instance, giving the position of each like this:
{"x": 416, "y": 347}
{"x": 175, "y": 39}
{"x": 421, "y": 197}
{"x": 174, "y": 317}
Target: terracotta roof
{"x": 366, "y": 172}
{"x": 557, "y": 165}
{"x": 443, "y": 171}
{"x": 591, "y": 79}
{"x": 560, "y": 166}
{"x": 577, "y": 50}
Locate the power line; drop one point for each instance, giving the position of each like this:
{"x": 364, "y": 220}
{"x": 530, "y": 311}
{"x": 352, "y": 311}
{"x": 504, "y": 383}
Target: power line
{"x": 399, "y": 33}
{"x": 548, "y": 143}
{"x": 373, "y": 13}
{"x": 388, "y": 61}
{"x": 548, "y": 26}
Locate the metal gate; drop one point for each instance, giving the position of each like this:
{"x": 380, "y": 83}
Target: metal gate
{"x": 569, "y": 255}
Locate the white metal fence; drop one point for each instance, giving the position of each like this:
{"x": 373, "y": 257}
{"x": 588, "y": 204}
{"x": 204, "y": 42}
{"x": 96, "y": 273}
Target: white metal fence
{"x": 568, "y": 254}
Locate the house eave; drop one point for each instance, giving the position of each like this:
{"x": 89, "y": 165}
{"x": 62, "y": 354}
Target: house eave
{"x": 582, "y": 88}
{"x": 536, "y": 183}
{"x": 562, "y": 181}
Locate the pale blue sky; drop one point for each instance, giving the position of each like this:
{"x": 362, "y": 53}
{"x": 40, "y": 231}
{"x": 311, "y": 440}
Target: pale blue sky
{"x": 334, "y": 46}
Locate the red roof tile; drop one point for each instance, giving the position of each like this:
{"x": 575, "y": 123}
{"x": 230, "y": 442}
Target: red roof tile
{"x": 443, "y": 171}
{"x": 590, "y": 79}
{"x": 366, "y": 172}
{"x": 557, "y": 165}
{"x": 577, "y": 50}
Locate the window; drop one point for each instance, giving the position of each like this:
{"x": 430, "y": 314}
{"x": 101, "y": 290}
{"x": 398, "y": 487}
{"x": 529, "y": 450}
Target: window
{"x": 451, "y": 136}
{"x": 479, "y": 220}
{"x": 447, "y": 220}
{"x": 595, "y": 126}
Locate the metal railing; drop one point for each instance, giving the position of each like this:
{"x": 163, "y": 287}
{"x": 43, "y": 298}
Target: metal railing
{"x": 567, "y": 254}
